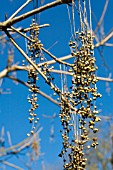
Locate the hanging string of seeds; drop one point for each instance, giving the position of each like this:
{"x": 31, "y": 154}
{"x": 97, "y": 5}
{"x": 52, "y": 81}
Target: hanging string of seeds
{"x": 34, "y": 49}
{"x": 77, "y": 125}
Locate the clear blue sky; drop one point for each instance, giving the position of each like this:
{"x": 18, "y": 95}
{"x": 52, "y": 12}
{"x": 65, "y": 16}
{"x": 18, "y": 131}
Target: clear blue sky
{"x": 14, "y": 107}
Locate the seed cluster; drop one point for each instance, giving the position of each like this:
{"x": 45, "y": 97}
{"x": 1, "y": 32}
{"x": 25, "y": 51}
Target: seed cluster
{"x": 83, "y": 97}
{"x": 34, "y": 48}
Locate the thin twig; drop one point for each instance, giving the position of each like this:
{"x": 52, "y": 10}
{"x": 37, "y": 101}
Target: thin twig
{"x": 39, "y": 91}
{"x": 105, "y": 79}
{"x": 60, "y": 72}
{"x": 2, "y": 37}
{"x": 108, "y": 44}
{"x": 21, "y": 145}
{"x": 46, "y": 51}
{"x": 23, "y": 162}
{"x": 104, "y": 40}
{"x": 49, "y": 98}
{"x": 53, "y": 61}
{"x": 40, "y": 72}
{"x": 15, "y": 67}
{"x": 14, "y": 14}
{"x": 71, "y": 74}
{"x": 30, "y": 28}
{"x": 102, "y": 16}
{"x": 55, "y": 58}
{"x": 12, "y": 165}
{"x": 10, "y": 22}
{"x": 29, "y": 60}
{"x": 25, "y": 36}
{"x": 9, "y": 138}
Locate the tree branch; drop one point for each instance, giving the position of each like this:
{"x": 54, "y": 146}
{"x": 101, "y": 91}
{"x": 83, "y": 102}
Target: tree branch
{"x": 55, "y": 58}
{"x": 21, "y": 145}
{"x": 104, "y": 40}
{"x": 12, "y": 68}
{"x": 39, "y": 91}
{"x": 57, "y": 90}
{"x": 10, "y": 22}
{"x": 14, "y": 14}
{"x": 53, "y": 61}
{"x": 29, "y": 60}
{"x": 25, "y": 36}
{"x": 12, "y": 165}
{"x": 102, "y": 16}
{"x": 105, "y": 79}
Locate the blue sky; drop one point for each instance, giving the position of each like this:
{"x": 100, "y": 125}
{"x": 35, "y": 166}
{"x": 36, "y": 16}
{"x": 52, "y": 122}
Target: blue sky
{"x": 14, "y": 107}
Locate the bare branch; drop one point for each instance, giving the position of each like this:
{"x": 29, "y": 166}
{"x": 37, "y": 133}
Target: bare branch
{"x": 12, "y": 68}
{"x": 39, "y": 91}
{"x": 71, "y": 74}
{"x": 102, "y": 16}
{"x": 49, "y": 98}
{"x": 29, "y": 60}
{"x": 12, "y": 165}
{"x": 9, "y": 138}
{"x": 108, "y": 44}
{"x": 53, "y": 61}
{"x": 46, "y": 96}
{"x": 10, "y": 22}
{"x": 39, "y": 71}
{"x": 14, "y": 14}
{"x": 104, "y": 40}
{"x": 55, "y": 58}
{"x": 20, "y": 146}
{"x": 39, "y": 26}
{"x": 25, "y": 36}
{"x": 105, "y": 79}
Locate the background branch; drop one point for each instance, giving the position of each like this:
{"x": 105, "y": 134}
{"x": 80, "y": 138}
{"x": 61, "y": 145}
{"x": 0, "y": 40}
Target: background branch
{"x": 102, "y": 16}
